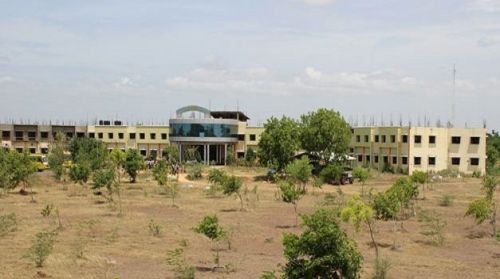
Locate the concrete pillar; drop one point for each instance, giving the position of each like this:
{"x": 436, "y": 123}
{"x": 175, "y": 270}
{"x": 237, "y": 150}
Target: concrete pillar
{"x": 225, "y": 153}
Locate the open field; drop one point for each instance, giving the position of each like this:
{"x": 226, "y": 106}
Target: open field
{"x": 122, "y": 246}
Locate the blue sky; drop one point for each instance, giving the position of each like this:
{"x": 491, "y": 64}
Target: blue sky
{"x": 141, "y": 60}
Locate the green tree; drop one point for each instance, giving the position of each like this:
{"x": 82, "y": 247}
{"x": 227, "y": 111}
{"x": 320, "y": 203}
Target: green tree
{"x": 300, "y": 171}
{"x": 332, "y": 173}
{"x": 250, "y": 156}
{"x": 323, "y": 250}
{"x": 485, "y": 208}
{"x": 133, "y": 163}
{"x": 325, "y": 132}
{"x": 278, "y": 142}
{"x": 357, "y": 213}
{"x": 90, "y": 152}
{"x": 41, "y": 247}
{"x": 209, "y": 226}
{"x": 420, "y": 178}
{"x": 160, "y": 172}
{"x": 104, "y": 178}
{"x": 232, "y": 185}
{"x": 15, "y": 169}
{"x": 291, "y": 194}
{"x": 362, "y": 175}
{"x": 171, "y": 154}
{"x": 57, "y": 155}
{"x": 492, "y": 152}
{"x": 80, "y": 172}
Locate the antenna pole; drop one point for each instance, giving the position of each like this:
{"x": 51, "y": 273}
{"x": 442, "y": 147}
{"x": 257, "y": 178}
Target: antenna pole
{"x": 453, "y": 97}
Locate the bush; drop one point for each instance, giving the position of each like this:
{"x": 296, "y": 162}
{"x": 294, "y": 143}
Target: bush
{"x": 154, "y": 228}
{"x": 446, "y": 200}
{"x": 382, "y": 267}
{"x": 176, "y": 259}
{"x": 47, "y": 210}
{"x": 79, "y": 173}
{"x": 41, "y": 247}
{"x": 194, "y": 171}
{"x": 8, "y": 223}
{"x": 433, "y": 227}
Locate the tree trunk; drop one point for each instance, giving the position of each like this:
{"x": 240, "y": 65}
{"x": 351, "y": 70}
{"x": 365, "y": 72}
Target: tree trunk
{"x": 241, "y": 200}
{"x": 373, "y": 239}
{"x": 296, "y": 215}
{"x": 494, "y": 219}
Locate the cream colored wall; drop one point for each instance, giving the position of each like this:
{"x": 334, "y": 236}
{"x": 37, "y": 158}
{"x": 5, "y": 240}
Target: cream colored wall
{"x": 465, "y": 150}
{"x": 424, "y": 150}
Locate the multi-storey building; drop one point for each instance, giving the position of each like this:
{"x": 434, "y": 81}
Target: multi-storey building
{"x": 429, "y": 149}
{"x": 215, "y": 134}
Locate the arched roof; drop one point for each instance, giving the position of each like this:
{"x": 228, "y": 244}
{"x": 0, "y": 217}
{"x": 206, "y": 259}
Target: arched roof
{"x": 203, "y": 110}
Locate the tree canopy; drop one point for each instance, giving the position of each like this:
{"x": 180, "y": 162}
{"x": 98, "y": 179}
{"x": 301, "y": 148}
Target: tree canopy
{"x": 325, "y": 132}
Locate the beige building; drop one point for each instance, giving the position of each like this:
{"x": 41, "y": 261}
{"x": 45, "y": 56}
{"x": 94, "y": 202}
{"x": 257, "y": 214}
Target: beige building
{"x": 428, "y": 149}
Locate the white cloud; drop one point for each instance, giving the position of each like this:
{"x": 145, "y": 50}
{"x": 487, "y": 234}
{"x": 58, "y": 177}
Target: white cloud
{"x": 313, "y": 73}
{"x": 488, "y": 41}
{"x": 317, "y": 2}
{"x": 6, "y": 79}
{"x": 123, "y": 82}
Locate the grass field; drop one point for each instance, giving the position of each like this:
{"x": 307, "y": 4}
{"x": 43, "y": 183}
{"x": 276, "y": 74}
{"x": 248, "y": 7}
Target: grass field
{"x": 95, "y": 242}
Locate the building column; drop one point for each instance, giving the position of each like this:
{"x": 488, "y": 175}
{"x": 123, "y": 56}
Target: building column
{"x": 225, "y": 153}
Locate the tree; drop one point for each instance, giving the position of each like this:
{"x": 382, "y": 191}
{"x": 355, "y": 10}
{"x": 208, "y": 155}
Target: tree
{"x": 421, "y": 178}
{"x": 171, "y": 154}
{"x": 485, "y": 208}
{"x": 361, "y": 174}
{"x": 232, "y": 185}
{"x": 300, "y": 171}
{"x": 332, "y": 173}
{"x": 41, "y": 247}
{"x": 209, "y": 226}
{"x": 104, "y": 178}
{"x": 250, "y": 156}
{"x": 278, "y": 142}
{"x": 15, "y": 169}
{"x": 323, "y": 250}
{"x": 117, "y": 158}
{"x": 133, "y": 163}
{"x": 160, "y": 172}
{"x": 492, "y": 152}
{"x": 357, "y": 212}
{"x": 325, "y": 133}
{"x": 291, "y": 194}
{"x": 57, "y": 156}
{"x": 90, "y": 152}
{"x": 80, "y": 172}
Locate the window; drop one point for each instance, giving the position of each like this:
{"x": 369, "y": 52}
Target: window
{"x": 474, "y": 161}
{"x": 252, "y": 137}
{"x": 393, "y": 138}
{"x": 375, "y": 158}
{"x": 131, "y": 136}
{"x": 386, "y": 159}
{"x": 376, "y": 138}
{"x": 394, "y": 160}
{"x": 19, "y": 135}
{"x": 418, "y": 139}
{"x": 368, "y": 158}
{"x": 241, "y": 137}
{"x": 44, "y": 135}
{"x": 360, "y": 158}
{"x": 44, "y": 150}
{"x": 432, "y": 161}
{"x": 142, "y": 136}
{"x": 404, "y": 160}
{"x": 99, "y": 135}
{"x": 69, "y": 135}
{"x": 19, "y": 149}
{"x": 80, "y": 135}
{"x": 455, "y": 140}
{"x": 432, "y": 139}
{"x": 91, "y": 135}
{"x": 120, "y": 135}
{"x": 6, "y": 134}
{"x": 455, "y": 161}
{"x": 358, "y": 138}
{"x": 110, "y": 135}
{"x": 404, "y": 138}
{"x": 32, "y": 135}
{"x": 383, "y": 138}
{"x": 152, "y": 136}
{"x": 163, "y": 136}
{"x": 366, "y": 138}
{"x": 32, "y": 150}
{"x": 351, "y": 150}
{"x": 417, "y": 160}
{"x": 143, "y": 152}
{"x": 474, "y": 140}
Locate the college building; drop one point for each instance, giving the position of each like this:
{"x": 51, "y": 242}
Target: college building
{"x": 215, "y": 134}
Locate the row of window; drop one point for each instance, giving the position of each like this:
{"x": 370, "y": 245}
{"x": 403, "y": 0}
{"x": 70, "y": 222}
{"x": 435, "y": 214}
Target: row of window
{"x": 417, "y": 139}
{"x": 131, "y": 136}
{"x": 32, "y": 135}
{"x": 416, "y": 160}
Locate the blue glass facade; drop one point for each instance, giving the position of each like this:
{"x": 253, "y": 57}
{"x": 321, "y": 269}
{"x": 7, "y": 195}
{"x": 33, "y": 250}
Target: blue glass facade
{"x": 203, "y": 130}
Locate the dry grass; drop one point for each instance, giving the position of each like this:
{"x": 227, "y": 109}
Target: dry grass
{"x": 97, "y": 243}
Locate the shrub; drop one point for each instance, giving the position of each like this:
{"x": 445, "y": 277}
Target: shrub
{"x": 194, "y": 171}
{"x": 8, "y": 223}
{"x": 160, "y": 172}
{"x": 382, "y": 267}
{"x": 176, "y": 259}
{"x": 209, "y": 226}
{"x": 47, "y": 210}
{"x": 133, "y": 163}
{"x": 41, "y": 247}
{"x": 79, "y": 173}
{"x": 434, "y": 227}
{"x": 446, "y": 200}
{"x": 154, "y": 228}
{"x": 104, "y": 178}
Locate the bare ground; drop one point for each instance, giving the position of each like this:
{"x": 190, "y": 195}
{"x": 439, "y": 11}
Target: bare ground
{"x": 123, "y": 247}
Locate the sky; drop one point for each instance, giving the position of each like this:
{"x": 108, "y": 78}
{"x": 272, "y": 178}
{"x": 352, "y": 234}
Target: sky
{"x": 139, "y": 61}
